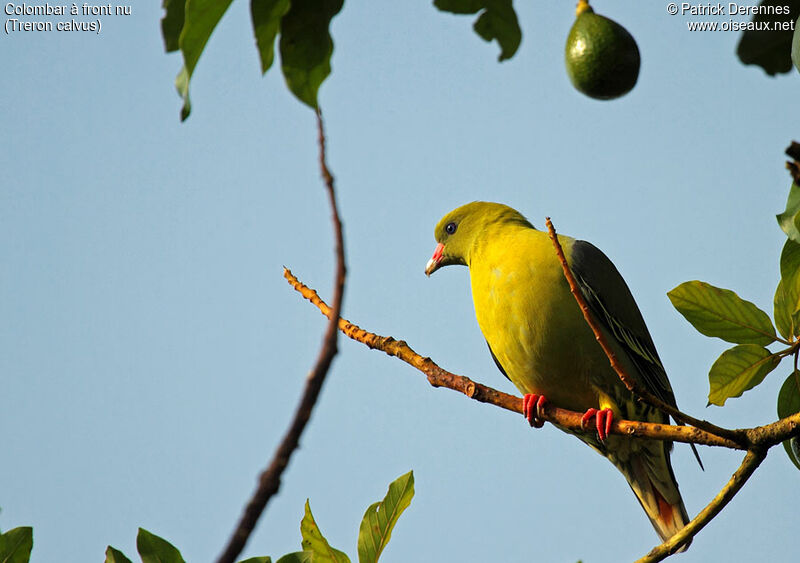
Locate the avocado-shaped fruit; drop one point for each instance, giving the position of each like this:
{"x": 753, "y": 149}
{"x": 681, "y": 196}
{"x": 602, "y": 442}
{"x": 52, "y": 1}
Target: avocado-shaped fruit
{"x": 602, "y": 57}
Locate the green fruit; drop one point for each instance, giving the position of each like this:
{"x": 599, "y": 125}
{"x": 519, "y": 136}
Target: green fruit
{"x": 602, "y": 57}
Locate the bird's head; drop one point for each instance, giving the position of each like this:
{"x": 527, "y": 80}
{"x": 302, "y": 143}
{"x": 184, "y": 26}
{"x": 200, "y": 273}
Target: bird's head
{"x": 459, "y": 232}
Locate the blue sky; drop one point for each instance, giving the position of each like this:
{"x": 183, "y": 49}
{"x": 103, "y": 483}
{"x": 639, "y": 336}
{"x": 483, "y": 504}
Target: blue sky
{"x": 151, "y": 353}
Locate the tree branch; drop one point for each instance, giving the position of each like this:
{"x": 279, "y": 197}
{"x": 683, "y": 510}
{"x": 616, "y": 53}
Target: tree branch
{"x": 737, "y": 436}
{"x": 757, "y": 440}
{"x": 439, "y": 377}
{"x": 775, "y": 433}
{"x": 751, "y": 462}
{"x": 270, "y": 479}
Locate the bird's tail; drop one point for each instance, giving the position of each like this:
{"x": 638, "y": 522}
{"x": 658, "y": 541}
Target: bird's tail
{"x": 652, "y": 480}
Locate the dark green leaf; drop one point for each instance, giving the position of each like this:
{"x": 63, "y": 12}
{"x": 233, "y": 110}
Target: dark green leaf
{"x": 737, "y": 370}
{"x": 16, "y": 545}
{"x": 263, "y": 559}
{"x": 306, "y": 46}
{"x": 498, "y": 21}
{"x": 153, "y": 549}
{"x": 796, "y": 45}
{"x": 315, "y": 543}
{"x": 790, "y": 278}
{"x": 782, "y": 315}
{"x": 115, "y": 556}
{"x": 200, "y": 19}
{"x": 788, "y": 404}
{"x": 266, "y": 16}
{"x": 459, "y": 6}
{"x": 720, "y": 312}
{"x": 381, "y": 517}
{"x": 765, "y": 45}
{"x": 172, "y": 23}
{"x": 787, "y": 219}
{"x": 297, "y": 557}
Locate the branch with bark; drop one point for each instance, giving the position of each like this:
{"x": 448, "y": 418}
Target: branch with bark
{"x": 758, "y": 437}
{"x": 756, "y": 441}
{"x": 270, "y": 480}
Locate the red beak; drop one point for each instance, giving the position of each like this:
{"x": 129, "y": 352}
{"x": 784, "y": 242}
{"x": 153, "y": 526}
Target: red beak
{"x": 433, "y": 263}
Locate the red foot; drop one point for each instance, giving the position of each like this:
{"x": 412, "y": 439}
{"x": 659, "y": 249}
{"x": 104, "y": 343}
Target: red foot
{"x": 603, "y": 419}
{"x": 532, "y": 405}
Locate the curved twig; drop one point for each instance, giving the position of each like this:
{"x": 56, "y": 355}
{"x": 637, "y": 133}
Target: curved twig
{"x": 733, "y": 435}
{"x": 750, "y": 463}
{"x": 439, "y": 377}
{"x": 270, "y": 479}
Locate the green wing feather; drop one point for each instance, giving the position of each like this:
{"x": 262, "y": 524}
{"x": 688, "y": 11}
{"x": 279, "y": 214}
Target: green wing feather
{"x": 614, "y": 307}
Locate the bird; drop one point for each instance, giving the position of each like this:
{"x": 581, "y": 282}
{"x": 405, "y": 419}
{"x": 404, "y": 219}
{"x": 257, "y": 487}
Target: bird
{"x": 539, "y": 340}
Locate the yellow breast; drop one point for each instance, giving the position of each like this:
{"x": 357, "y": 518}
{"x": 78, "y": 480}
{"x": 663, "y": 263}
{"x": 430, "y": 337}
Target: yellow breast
{"x": 530, "y": 319}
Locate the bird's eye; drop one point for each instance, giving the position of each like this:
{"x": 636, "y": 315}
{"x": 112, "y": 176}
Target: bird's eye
{"x": 450, "y": 228}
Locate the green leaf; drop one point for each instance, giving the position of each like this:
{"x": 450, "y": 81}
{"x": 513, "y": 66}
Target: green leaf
{"x": 766, "y": 46}
{"x": 266, "y": 16}
{"x": 720, "y": 312}
{"x": 498, "y": 21}
{"x": 459, "y": 6}
{"x": 789, "y": 404}
{"x": 796, "y": 45}
{"x": 792, "y": 447}
{"x": 200, "y": 19}
{"x": 381, "y": 517}
{"x": 262, "y": 559}
{"x": 115, "y": 556}
{"x": 297, "y": 557}
{"x": 315, "y": 543}
{"x": 182, "y": 85}
{"x": 739, "y": 369}
{"x": 788, "y": 218}
{"x": 153, "y": 549}
{"x": 790, "y": 277}
{"x": 172, "y": 23}
{"x": 16, "y": 545}
{"x": 782, "y": 314}
{"x": 306, "y": 46}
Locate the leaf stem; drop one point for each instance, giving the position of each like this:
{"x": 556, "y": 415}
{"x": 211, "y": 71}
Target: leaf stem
{"x": 583, "y": 6}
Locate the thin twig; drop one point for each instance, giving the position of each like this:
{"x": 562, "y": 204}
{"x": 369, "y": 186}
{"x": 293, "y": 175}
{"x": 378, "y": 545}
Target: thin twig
{"x": 270, "y": 480}
{"x": 751, "y": 462}
{"x": 439, "y": 377}
{"x": 632, "y": 385}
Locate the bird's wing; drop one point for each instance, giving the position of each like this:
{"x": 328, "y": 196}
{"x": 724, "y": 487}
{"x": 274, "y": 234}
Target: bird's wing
{"x": 613, "y": 306}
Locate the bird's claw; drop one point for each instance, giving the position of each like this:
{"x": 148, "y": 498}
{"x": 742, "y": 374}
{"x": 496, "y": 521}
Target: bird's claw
{"x": 603, "y": 420}
{"x": 532, "y": 405}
